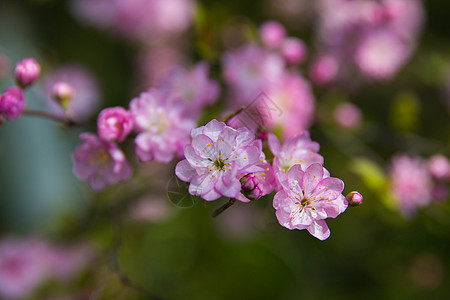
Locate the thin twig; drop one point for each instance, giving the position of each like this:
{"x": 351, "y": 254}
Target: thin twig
{"x": 223, "y": 207}
{"x": 230, "y": 116}
{"x": 50, "y": 116}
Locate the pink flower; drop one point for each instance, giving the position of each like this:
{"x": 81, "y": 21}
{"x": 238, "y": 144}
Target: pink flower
{"x": 26, "y": 72}
{"x": 348, "y": 115}
{"x": 250, "y": 71}
{"x": 307, "y": 198}
{"x": 294, "y": 98}
{"x": 12, "y": 103}
{"x": 193, "y": 86}
{"x": 100, "y": 162}
{"x": 65, "y": 262}
{"x": 439, "y": 167}
{"x": 137, "y": 19}
{"x": 114, "y": 123}
{"x": 381, "y": 54}
{"x": 272, "y": 34}
{"x": 163, "y": 128}
{"x": 216, "y": 159}
{"x": 324, "y": 70}
{"x": 87, "y": 94}
{"x": 22, "y": 268}
{"x": 298, "y": 149}
{"x": 411, "y": 183}
{"x": 293, "y": 50}
{"x": 63, "y": 93}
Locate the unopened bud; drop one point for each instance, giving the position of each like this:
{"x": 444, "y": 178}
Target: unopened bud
{"x": 26, "y": 72}
{"x": 250, "y": 187}
{"x": 354, "y": 198}
{"x": 12, "y": 103}
{"x": 63, "y": 93}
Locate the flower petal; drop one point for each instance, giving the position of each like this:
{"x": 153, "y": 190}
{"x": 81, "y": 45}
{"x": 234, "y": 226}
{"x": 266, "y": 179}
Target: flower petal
{"x": 185, "y": 171}
{"x": 313, "y": 175}
{"x": 319, "y": 229}
{"x": 274, "y": 144}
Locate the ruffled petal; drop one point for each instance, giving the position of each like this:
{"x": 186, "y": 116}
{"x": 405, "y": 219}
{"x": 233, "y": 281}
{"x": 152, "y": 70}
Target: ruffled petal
{"x": 185, "y": 171}
{"x": 319, "y": 229}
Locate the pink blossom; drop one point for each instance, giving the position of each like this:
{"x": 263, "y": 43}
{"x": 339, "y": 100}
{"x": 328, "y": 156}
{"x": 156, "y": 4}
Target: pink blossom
{"x": 137, "y": 19}
{"x": 324, "y": 69}
{"x": 163, "y": 128}
{"x": 87, "y": 94}
{"x": 12, "y": 103}
{"x": 272, "y": 34}
{"x": 26, "y": 72}
{"x": 193, "y": 86}
{"x": 293, "y": 50}
{"x": 250, "y": 71}
{"x": 348, "y": 115}
{"x": 63, "y": 93}
{"x": 307, "y": 198}
{"x": 100, "y": 162}
{"x": 259, "y": 179}
{"x": 294, "y": 98}
{"x": 65, "y": 262}
{"x": 380, "y": 54}
{"x": 114, "y": 123}
{"x": 298, "y": 149}
{"x": 216, "y": 159}
{"x": 439, "y": 167}
{"x": 22, "y": 268}
{"x": 411, "y": 183}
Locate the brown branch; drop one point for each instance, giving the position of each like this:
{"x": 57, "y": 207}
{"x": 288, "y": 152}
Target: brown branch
{"x": 223, "y": 207}
{"x": 50, "y": 116}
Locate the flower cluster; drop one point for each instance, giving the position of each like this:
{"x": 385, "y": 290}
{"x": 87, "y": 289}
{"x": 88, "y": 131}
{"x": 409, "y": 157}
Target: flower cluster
{"x": 12, "y": 101}
{"x": 416, "y": 182}
{"x": 223, "y": 161}
{"x": 28, "y": 262}
{"x": 254, "y": 69}
{"x": 376, "y": 38}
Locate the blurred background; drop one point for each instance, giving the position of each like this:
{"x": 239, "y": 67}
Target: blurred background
{"x": 376, "y": 77}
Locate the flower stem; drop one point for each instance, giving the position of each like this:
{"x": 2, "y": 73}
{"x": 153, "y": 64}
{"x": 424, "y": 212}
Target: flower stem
{"x": 223, "y": 207}
{"x": 230, "y": 116}
{"x": 46, "y": 115}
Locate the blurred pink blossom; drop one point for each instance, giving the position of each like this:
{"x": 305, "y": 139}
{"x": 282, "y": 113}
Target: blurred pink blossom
{"x": 137, "y": 19}
{"x": 272, "y": 34}
{"x": 162, "y": 125}
{"x": 12, "y": 103}
{"x": 26, "y": 72}
{"x": 193, "y": 86}
{"x": 100, "y": 162}
{"x": 87, "y": 95}
{"x": 249, "y": 71}
{"x": 347, "y": 115}
{"x": 324, "y": 69}
{"x": 411, "y": 183}
{"x": 439, "y": 167}
{"x": 293, "y": 50}
{"x": 22, "y": 268}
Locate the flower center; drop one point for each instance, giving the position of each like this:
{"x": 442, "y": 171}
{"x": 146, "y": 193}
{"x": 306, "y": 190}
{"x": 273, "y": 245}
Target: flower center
{"x": 219, "y": 163}
{"x": 305, "y": 202}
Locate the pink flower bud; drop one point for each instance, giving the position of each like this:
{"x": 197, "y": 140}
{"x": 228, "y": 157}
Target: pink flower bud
{"x": 12, "y": 103}
{"x": 26, "y": 72}
{"x": 114, "y": 123}
{"x": 354, "y": 198}
{"x": 272, "y": 34}
{"x": 324, "y": 70}
{"x": 348, "y": 115}
{"x": 63, "y": 93}
{"x": 250, "y": 186}
{"x": 293, "y": 50}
